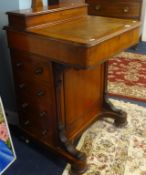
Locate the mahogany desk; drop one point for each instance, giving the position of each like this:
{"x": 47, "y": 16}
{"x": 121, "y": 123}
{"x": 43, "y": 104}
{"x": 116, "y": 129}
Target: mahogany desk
{"x": 59, "y": 58}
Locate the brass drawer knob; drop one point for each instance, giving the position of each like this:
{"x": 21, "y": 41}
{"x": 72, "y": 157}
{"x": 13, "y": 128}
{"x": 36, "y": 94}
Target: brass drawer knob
{"x": 40, "y": 93}
{"x": 19, "y": 64}
{"x": 126, "y": 10}
{"x": 42, "y": 114}
{"x": 39, "y": 70}
{"x": 98, "y": 7}
{"x": 25, "y": 105}
{"x": 21, "y": 86}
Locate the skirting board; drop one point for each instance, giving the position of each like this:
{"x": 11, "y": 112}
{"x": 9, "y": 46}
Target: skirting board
{"x": 12, "y": 117}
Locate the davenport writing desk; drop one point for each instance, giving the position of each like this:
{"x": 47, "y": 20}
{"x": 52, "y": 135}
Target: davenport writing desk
{"x": 59, "y": 58}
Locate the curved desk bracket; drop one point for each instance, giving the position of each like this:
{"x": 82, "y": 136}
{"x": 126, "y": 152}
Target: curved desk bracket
{"x": 119, "y": 116}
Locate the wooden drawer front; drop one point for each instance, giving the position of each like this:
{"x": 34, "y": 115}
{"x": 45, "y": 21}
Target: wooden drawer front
{"x": 36, "y": 126}
{"x": 35, "y": 93}
{"x": 114, "y": 8}
{"x": 36, "y": 107}
{"x": 30, "y": 68}
{"x": 37, "y": 118}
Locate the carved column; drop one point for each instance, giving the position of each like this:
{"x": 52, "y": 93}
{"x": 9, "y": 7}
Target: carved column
{"x": 119, "y": 116}
{"x": 78, "y": 159}
{"x": 36, "y": 3}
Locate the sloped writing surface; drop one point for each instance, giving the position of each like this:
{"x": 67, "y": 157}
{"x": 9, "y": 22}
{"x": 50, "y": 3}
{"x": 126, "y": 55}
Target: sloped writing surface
{"x": 88, "y": 30}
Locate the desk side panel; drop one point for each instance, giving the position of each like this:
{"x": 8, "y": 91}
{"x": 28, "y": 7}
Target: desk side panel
{"x": 83, "y": 96}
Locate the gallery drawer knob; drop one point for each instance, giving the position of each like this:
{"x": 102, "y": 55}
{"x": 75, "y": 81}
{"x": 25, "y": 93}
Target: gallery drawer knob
{"x": 44, "y": 132}
{"x": 98, "y": 7}
{"x": 42, "y": 114}
{"x": 25, "y": 105}
{"x": 19, "y": 64}
{"x": 40, "y": 93}
{"x": 126, "y": 9}
{"x": 38, "y": 70}
{"x": 21, "y": 86}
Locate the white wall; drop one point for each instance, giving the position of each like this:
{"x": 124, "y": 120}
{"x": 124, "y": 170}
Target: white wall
{"x": 6, "y": 83}
{"x": 25, "y": 4}
{"x": 6, "y": 80}
{"x": 144, "y": 29}
{"x": 144, "y": 20}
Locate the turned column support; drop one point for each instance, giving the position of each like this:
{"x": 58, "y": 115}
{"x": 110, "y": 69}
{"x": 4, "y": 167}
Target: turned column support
{"x": 78, "y": 160}
{"x": 36, "y": 4}
{"x": 39, "y": 3}
{"x": 109, "y": 111}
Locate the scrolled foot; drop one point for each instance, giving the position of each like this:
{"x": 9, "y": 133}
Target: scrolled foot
{"x": 78, "y": 169}
{"x": 119, "y": 116}
{"x": 121, "y": 119}
{"x": 77, "y": 158}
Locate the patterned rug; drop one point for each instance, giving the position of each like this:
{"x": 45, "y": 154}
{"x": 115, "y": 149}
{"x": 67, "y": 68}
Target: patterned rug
{"x": 127, "y": 76}
{"x": 116, "y": 151}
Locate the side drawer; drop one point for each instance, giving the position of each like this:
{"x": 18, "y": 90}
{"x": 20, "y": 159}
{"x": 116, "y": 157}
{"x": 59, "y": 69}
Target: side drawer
{"x": 114, "y": 8}
{"x": 36, "y": 92}
{"x": 36, "y": 107}
{"x": 30, "y": 67}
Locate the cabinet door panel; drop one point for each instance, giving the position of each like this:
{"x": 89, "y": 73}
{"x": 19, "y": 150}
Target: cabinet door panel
{"x": 83, "y": 93}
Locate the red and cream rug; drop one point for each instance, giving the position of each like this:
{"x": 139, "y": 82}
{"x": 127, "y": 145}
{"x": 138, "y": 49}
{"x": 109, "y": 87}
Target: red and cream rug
{"x": 116, "y": 151}
{"x": 127, "y": 76}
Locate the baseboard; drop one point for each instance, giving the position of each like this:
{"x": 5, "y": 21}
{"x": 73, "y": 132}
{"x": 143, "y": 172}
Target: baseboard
{"x": 12, "y": 117}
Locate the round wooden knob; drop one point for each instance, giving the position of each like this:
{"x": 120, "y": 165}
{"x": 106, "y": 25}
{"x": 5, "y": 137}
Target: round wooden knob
{"x": 39, "y": 70}
{"x": 42, "y": 114}
{"x": 21, "y": 86}
{"x": 26, "y": 122}
{"x": 40, "y": 93}
{"x": 19, "y": 64}
{"x": 98, "y": 7}
{"x": 25, "y": 105}
{"x": 27, "y": 141}
{"x": 44, "y": 132}
{"x": 126, "y": 9}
